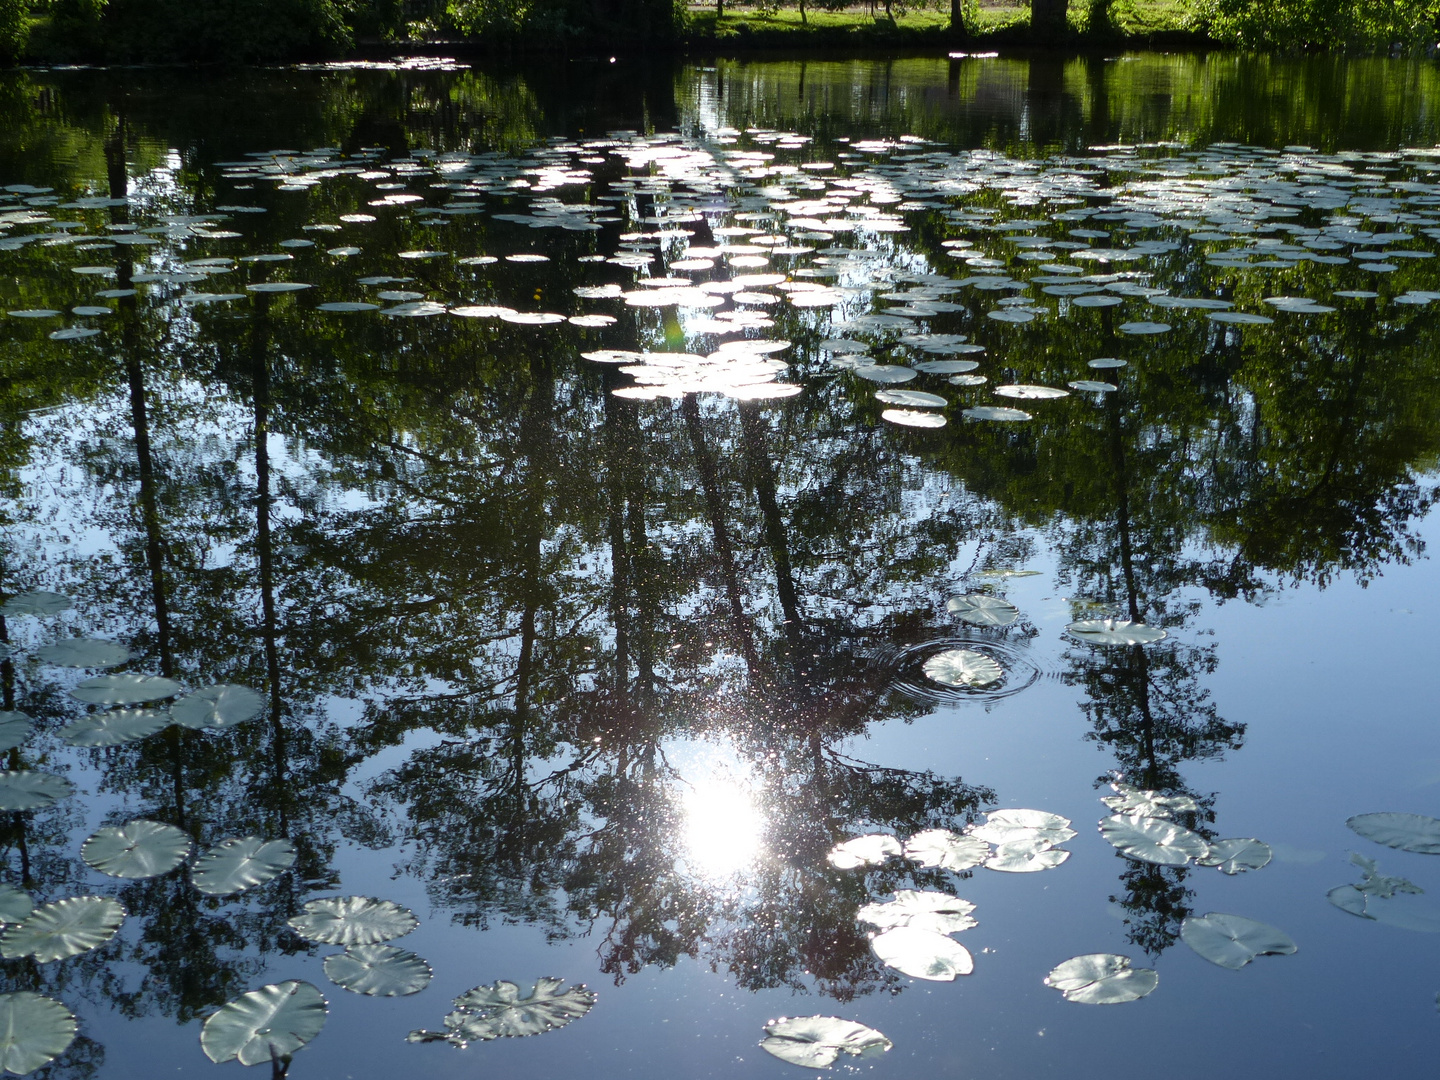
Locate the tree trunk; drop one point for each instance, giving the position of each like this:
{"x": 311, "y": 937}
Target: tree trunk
{"x": 1047, "y": 18}
{"x": 957, "y": 17}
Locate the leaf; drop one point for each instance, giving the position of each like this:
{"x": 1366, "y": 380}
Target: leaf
{"x": 1115, "y": 632}
{"x": 995, "y": 412}
{"x": 1022, "y": 857}
{"x": 1010, "y": 826}
{"x": 84, "y": 652}
{"x": 124, "y": 689}
{"x": 869, "y": 850}
{"x": 264, "y": 1025}
{"x": 353, "y": 920}
{"x": 15, "y": 729}
{"x": 1153, "y": 840}
{"x": 23, "y": 789}
{"x": 38, "y": 602}
{"x": 137, "y": 849}
{"x": 922, "y": 954}
{"x": 978, "y": 609}
{"x": 913, "y": 418}
{"x": 63, "y": 929}
{"x": 815, "y": 1042}
{"x": 1029, "y": 392}
{"x": 1237, "y": 855}
{"x": 1385, "y": 898}
{"x": 219, "y": 706}
{"x": 1133, "y": 800}
{"x": 945, "y": 849}
{"x": 1406, "y": 832}
{"x": 1143, "y": 327}
{"x": 915, "y": 399}
{"x": 15, "y": 904}
{"x": 34, "y": 1031}
{"x": 963, "y": 667}
{"x": 1232, "y": 941}
{"x": 241, "y": 863}
{"x": 1101, "y": 979}
{"x": 378, "y": 970}
{"x": 115, "y": 727}
{"x": 938, "y": 912}
{"x": 499, "y": 1012}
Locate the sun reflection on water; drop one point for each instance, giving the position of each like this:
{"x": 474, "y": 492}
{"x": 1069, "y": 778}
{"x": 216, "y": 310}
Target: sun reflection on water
{"x": 723, "y": 826}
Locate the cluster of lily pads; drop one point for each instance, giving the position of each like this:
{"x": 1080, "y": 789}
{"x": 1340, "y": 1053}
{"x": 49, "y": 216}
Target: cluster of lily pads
{"x": 1386, "y": 898}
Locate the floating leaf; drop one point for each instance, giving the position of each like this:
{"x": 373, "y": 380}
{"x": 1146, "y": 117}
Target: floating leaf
{"x": 1232, "y": 941}
{"x": 1024, "y": 857}
{"x": 979, "y": 609}
{"x": 15, "y": 904}
{"x": 869, "y": 850}
{"x": 378, "y": 970}
{"x": 885, "y": 373}
{"x": 34, "y": 1031}
{"x": 24, "y": 789}
{"x": 499, "y": 1012}
{"x": 219, "y": 706}
{"x": 264, "y": 1025}
{"x": 15, "y": 728}
{"x": 38, "y": 602}
{"x": 938, "y": 912}
{"x": 995, "y": 412}
{"x": 1101, "y": 979}
{"x": 1133, "y": 800}
{"x": 84, "y": 652}
{"x": 241, "y": 863}
{"x": 63, "y": 929}
{"x": 1144, "y": 328}
{"x": 137, "y": 849}
{"x": 912, "y": 398}
{"x": 946, "y": 849}
{"x": 1037, "y": 827}
{"x": 1237, "y": 855}
{"x": 816, "y": 1042}
{"x": 1115, "y": 632}
{"x": 347, "y": 307}
{"x": 1028, "y": 392}
{"x": 124, "y": 689}
{"x": 1406, "y": 832}
{"x": 114, "y": 727}
{"x": 963, "y": 667}
{"x": 1091, "y": 386}
{"x": 922, "y": 954}
{"x": 1152, "y": 839}
{"x": 353, "y": 920}
{"x": 277, "y": 287}
{"x": 913, "y": 418}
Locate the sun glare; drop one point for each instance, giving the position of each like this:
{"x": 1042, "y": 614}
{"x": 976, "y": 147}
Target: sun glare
{"x": 722, "y": 827}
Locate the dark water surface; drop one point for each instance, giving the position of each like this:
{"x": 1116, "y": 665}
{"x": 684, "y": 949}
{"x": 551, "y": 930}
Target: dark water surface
{"x": 591, "y": 662}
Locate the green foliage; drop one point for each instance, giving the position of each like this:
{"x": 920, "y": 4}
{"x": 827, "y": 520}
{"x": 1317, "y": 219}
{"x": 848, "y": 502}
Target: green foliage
{"x": 14, "y": 29}
{"x": 597, "y": 21}
{"x": 1321, "y": 25}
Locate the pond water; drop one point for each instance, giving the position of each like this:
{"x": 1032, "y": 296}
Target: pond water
{"x": 610, "y": 489}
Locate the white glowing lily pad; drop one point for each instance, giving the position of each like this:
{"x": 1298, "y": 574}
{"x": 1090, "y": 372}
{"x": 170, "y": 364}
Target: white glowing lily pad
{"x": 353, "y": 920}
{"x": 137, "y": 849}
{"x": 219, "y": 706}
{"x": 499, "y": 1012}
{"x": 15, "y": 729}
{"x": 1237, "y": 855}
{"x": 34, "y": 1031}
{"x": 1405, "y": 832}
{"x": 913, "y": 418}
{"x": 1101, "y": 979}
{"x": 124, "y": 689}
{"x": 914, "y": 399}
{"x": 1153, "y": 839}
{"x": 264, "y": 1025}
{"x": 63, "y": 929}
{"x": 114, "y": 727}
{"x": 1037, "y": 827}
{"x": 922, "y": 954}
{"x": 963, "y": 667}
{"x": 83, "y": 652}
{"x": 378, "y": 970}
{"x": 816, "y": 1042}
{"x": 1232, "y": 941}
{"x": 241, "y": 863}
{"x": 946, "y": 849}
{"x": 1030, "y": 392}
{"x": 25, "y": 789}
{"x": 869, "y": 850}
{"x": 938, "y": 912}
{"x": 981, "y": 609}
{"x": 1115, "y": 632}
{"x": 995, "y": 412}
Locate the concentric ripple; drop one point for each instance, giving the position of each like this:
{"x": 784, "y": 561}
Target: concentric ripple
{"x": 906, "y": 667}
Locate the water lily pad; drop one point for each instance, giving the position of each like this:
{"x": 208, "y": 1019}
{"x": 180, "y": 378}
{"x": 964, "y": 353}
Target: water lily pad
{"x": 24, "y": 789}
{"x": 241, "y": 863}
{"x": 277, "y": 287}
{"x": 1091, "y": 386}
{"x": 963, "y": 667}
{"x": 1132, "y": 800}
{"x": 1239, "y": 318}
{"x": 1406, "y": 832}
{"x": 84, "y": 652}
{"x": 1115, "y": 632}
{"x": 1237, "y": 855}
{"x": 913, "y": 418}
{"x": 1101, "y": 979}
{"x": 816, "y": 1042}
{"x": 137, "y": 849}
{"x": 946, "y": 849}
{"x": 63, "y": 929}
{"x": 994, "y": 412}
{"x": 124, "y": 689}
{"x": 911, "y": 398}
{"x": 34, "y": 1031}
{"x": 1153, "y": 839}
{"x": 980, "y": 609}
{"x": 1143, "y": 328}
{"x": 1232, "y": 941}
{"x": 946, "y": 367}
{"x": 499, "y": 1012}
{"x": 885, "y": 373}
{"x": 1031, "y": 826}
{"x": 38, "y": 602}
{"x": 353, "y": 920}
{"x": 1097, "y": 300}
{"x": 938, "y": 912}
{"x": 1105, "y": 363}
{"x": 15, "y": 905}
{"x": 114, "y": 727}
{"x": 264, "y": 1025}
{"x": 1025, "y": 857}
{"x": 1028, "y": 392}
{"x": 15, "y": 729}
{"x": 869, "y": 850}
{"x": 922, "y": 954}
{"x": 378, "y": 970}
{"x": 218, "y": 706}
{"x": 346, "y": 307}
